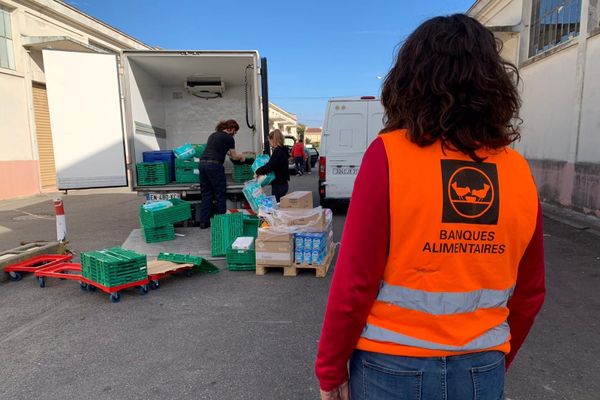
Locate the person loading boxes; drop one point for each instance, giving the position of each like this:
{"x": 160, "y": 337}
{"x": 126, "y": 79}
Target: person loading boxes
{"x": 212, "y": 172}
{"x": 278, "y": 163}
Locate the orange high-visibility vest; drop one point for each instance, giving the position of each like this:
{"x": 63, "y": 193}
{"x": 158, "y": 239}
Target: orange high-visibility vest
{"x": 458, "y": 231}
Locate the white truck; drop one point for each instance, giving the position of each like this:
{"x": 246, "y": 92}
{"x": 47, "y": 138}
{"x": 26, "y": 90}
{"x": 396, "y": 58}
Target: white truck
{"x": 350, "y": 125}
{"x": 101, "y": 125}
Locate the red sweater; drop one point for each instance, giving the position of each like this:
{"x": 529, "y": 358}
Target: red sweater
{"x": 358, "y": 273}
{"x": 298, "y": 150}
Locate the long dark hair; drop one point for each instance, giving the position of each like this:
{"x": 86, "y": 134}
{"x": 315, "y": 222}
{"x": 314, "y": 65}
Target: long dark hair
{"x": 449, "y": 83}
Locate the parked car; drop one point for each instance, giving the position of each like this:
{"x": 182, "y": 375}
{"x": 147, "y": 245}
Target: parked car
{"x": 289, "y": 141}
{"x": 313, "y": 154}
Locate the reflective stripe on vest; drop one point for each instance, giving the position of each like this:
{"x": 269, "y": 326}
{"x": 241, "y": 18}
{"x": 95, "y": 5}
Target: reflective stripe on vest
{"x": 494, "y": 337}
{"x": 442, "y": 303}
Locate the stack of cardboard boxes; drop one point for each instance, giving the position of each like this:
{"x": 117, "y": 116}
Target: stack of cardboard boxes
{"x": 296, "y": 219}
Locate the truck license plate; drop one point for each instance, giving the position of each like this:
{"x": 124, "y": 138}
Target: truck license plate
{"x": 162, "y": 196}
{"x": 344, "y": 170}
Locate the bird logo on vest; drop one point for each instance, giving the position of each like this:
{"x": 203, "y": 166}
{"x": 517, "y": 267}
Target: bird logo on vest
{"x": 470, "y": 192}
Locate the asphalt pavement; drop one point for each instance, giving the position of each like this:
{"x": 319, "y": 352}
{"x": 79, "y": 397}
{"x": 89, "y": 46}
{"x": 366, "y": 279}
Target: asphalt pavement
{"x": 234, "y": 335}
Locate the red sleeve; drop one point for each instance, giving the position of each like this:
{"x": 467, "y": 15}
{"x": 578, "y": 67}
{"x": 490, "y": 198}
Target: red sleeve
{"x": 530, "y": 290}
{"x": 359, "y": 268}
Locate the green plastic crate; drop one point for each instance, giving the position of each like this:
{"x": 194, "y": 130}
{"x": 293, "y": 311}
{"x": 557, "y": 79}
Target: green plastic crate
{"x": 207, "y": 267}
{"x": 200, "y": 264}
{"x": 114, "y": 266}
{"x": 224, "y": 229}
{"x": 187, "y": 175}
{"x": 181, "y": 211}
{"x": 241, "y": 257}
{"x": 242, "y": 172}
{"x": 199, "y": 149}
{"x": 236, "y": 267}
{"x": 159, "y": 234}
{"x": 181, "y": 163}
{"x": 153, "y": 173}
{"x": 180, "y": 258}
{"x": 251, "y": 225}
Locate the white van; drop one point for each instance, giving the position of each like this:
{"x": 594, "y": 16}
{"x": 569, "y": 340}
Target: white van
{"x": 105, "y": 114}
{"x": 350, "y": 125}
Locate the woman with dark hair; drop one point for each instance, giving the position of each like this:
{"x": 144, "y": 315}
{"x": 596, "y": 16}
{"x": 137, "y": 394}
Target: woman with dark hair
{"x": 441, "y": 268}
{"x": 278, "y": 164}
{"x": 213, "y": 183}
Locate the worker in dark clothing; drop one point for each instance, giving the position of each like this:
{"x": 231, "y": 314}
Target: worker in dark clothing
{"x": 278, "y": 163}
{"x": 212, "y": 172}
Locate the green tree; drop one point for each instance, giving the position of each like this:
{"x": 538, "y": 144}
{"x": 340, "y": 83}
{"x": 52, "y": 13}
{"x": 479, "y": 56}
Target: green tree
{"x": 300, "y": 128}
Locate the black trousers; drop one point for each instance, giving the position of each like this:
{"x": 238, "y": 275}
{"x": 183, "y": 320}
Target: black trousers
{"x": 213, "y": 187}
{"x": 279, "y": 190}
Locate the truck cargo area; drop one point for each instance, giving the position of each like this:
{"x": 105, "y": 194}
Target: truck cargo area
{"x": 164, "y": 112}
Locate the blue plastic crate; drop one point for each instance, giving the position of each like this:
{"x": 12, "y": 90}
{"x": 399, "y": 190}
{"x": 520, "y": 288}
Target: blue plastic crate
{"x": 163, "y": 156}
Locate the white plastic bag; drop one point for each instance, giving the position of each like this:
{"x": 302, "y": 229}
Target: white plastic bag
{"x": 297, "y": 220}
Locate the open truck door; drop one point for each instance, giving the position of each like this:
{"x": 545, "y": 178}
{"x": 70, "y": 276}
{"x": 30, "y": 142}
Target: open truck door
{"x": 86, "y": 119}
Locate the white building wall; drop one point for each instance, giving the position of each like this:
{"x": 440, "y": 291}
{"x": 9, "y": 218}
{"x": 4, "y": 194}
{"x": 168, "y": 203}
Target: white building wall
{"x": 561, "y": 123}
{"x": 589, "y": 136}
{"x": 15, "y": 139}
{"x": 549, "y": 94}
{"x": 38, "y": 18}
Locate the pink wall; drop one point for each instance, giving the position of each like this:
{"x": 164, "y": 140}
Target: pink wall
{"x": 19, "y": 178}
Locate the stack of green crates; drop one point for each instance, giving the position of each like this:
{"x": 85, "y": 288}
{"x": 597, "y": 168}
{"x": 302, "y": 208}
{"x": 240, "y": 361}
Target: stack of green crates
{"x": 158, "y": 225}
{"x": 241, "y": 260}
{"x": 224, "y": 229}
{"x": 181, "y": 211}
{"x": 114, "y": 266}
{"x": 159, "y": 234}
{"x": 153, "y": 173}
{"x": 242, "y": 173}
{"x": 187, "y": 171}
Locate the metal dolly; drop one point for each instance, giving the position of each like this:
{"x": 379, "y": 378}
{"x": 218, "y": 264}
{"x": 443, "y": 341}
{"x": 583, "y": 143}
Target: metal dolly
{"x": 16, "y": 270}
{"x": 72, "y": 271}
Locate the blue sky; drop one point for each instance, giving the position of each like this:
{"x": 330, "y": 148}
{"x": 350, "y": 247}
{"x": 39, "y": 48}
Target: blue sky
{"x": 315, "y": 49}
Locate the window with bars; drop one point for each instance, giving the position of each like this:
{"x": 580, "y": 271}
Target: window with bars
{"x": 7, "y": 56}
{"x": 553, "y": 22}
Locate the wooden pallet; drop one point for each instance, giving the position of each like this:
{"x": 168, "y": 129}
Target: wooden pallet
{"x": 320, "y": 270}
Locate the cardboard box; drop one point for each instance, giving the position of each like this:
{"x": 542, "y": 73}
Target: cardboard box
{"x": 316, "y": 221}
{"x": 298, "y": 199}
{"x": 274, "y": 248}
{"x": 269, "y": 235}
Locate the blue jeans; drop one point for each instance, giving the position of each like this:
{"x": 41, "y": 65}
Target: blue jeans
{"x": 475, "y": 376}
{"x": 213, "y": 186}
